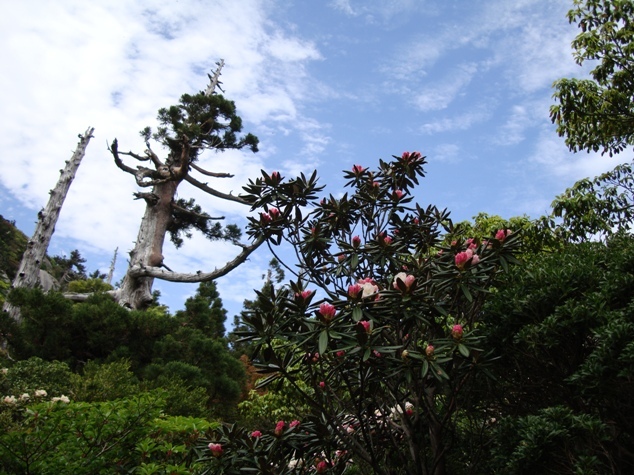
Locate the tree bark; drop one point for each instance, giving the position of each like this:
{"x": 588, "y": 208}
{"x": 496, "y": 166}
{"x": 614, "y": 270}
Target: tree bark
{"x": 136, "y": 291}
{"x": 28, "y": 273}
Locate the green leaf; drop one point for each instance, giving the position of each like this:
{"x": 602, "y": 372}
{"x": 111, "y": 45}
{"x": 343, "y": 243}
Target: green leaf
{"x": 354, "y": 261}
{"x": 466, "y": 292}
{"x": 357, "y": 314}
{"x": 425, "y": 368}
{"x": 464, "y": 351}
{"x": 323, "y": 341}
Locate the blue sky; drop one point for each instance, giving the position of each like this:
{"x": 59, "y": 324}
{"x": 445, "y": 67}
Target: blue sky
{"x": 323, "y": 84}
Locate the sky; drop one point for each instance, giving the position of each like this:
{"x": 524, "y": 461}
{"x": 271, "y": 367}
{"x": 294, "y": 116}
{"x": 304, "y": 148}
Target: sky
{"x": 324, "y": 84}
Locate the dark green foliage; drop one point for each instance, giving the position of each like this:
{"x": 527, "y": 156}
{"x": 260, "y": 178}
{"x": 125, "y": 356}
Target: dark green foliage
{"x": 204, "y": 311}
{"x": 598, "y": 113}
{"x": 187, "y": 349}
{"x": 202, "y": 121}
{"x": 274, "y": 275}
{"x": 12, "y": 246}
{"x": 65, "y": 269}
{"x": 27, "y": 376}
{"x": 563, "y": 326}
{"x": 104, "y": 382}
{"x": 595, "y": 208}
{"x": 186, "y": 215}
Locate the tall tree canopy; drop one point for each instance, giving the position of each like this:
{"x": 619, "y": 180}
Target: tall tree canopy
{"x": 598, "y": 114}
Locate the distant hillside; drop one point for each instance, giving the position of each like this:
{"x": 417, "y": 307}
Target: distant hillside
{"x": 12, "y": 246}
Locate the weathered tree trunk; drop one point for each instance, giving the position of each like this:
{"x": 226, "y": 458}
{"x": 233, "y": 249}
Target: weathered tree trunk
{"x": 136, "y": 292}
{"x": 112, "y": 266}
{"x": 29, "y": 271}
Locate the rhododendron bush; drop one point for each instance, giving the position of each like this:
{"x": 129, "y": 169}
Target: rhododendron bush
{"x": 380, "y": 320}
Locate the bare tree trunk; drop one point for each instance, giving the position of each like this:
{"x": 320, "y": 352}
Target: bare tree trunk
{"x": 29, "y": 271}
{"x": 135, "y": 291}
{"x": 112, "y": 265}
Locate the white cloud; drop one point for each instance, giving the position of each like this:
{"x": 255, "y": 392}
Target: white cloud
{"x": 459, "y": 121}
{"x": 447, "y": 152}
{"x": 554, "y": 158}
{"x": 440, "y": 95}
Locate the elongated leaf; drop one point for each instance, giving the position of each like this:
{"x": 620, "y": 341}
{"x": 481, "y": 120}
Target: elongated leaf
{"x": 466, "y": 292}
{"x": 323, "y": 341}
{"x": 464, "y": 351}
{"x": 357, "y": 314}
{"x": 425, "y": 368}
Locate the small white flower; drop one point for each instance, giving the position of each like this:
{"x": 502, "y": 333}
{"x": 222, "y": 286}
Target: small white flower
{"x": 40, "y": 393}
{"x": 4, "y": 371}
{"x": 64, "y": 399}
{"x": 25, "y": 397}
{"x": 11, "y": 400}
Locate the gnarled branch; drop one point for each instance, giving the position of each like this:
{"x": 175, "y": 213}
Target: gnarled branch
{"x": 160, "y": 273}
{"x": 193, "y": 213}
{"x": 213, "y": 174}
{"x": 207, "y": 189}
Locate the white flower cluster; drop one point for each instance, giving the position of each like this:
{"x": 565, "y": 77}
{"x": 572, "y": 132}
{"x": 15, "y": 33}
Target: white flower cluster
{"x": 38, "y": 394}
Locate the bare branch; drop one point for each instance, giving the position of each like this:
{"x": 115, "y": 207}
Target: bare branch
{"x": 159, "y": 273}
{"x": 150, "y": 198}
{"x": 150, "y": 153}
{"x": 213, "y": 174}
{"x": 114, "y": 150}
{"x": 214, "y": 80}
{"x": 192, "y": 213}
{"x": 75, "y": 297}
{"x": 207, "y": 189}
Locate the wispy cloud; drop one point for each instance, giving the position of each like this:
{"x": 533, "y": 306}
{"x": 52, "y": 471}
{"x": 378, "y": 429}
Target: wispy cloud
{"x": 440, "y": 95}
{"x": 459, "y": 121}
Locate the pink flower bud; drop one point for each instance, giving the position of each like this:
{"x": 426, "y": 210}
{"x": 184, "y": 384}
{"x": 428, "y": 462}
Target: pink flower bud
{"x": 322, "y": 384}
{"x": 294, "y": 424}
{"x": 502, "y": 234}
{"x": 356, "y": 242}
{"x": 256, "y": 434}
{"x": 376, "y": 354}
{"x": 398, "y": 194}
{"x": 354, "y": 291}
{"x": 321, "y": 466}
{"x": 457, "y": 331}
{"x": 357, "y": 169}
{"x": 461, "y": 259}
{"x": 274, "y": 213}
{"x": 265, "y": 218}
{"x": 387, "y": 240}
{"x": 406, "y": 279}
{"x": 340, "y": 353}
{"x": 367, "y": 326}
{"x": 216, "y": 449}
{"x": 305, "y": 294}
{"x": 429, "y": 351}
{"x": 475, "y": 259}
{"x": 327, "y": 311}
{"x": 279, "y": 428}
{"x": 405, "y": 156}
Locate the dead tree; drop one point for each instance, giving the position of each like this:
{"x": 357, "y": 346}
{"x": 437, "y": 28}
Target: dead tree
{"x": 28, "y": 274}
{"x": 200, "y": 122}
